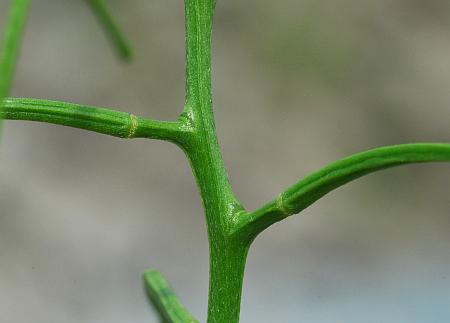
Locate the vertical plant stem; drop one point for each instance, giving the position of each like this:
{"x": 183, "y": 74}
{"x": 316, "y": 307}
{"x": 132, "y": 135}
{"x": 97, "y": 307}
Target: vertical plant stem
{"x": 11, "y": 43}
{"x": 227, "y": 255}
{"x": 226, "y": 278}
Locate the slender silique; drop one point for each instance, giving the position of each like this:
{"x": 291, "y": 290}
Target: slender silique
{"x": 231, "y": 229}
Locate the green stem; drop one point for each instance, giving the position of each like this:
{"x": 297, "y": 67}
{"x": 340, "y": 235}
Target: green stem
{"x": 204, "y": 151}
{"x": 105, "y": 121}
{"x": 227, "y": 256}
{"x": 11, "y": 43}
{"x": 230, "y": 228}
{"x": 165, "y": 300}
{"x": 305, "y": 192}
{"x": 104, "y": 16}
{"x": 227, "y": 267}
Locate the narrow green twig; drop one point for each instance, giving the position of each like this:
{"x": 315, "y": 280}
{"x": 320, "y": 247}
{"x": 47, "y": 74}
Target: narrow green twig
{"x": 105, "y": 121}
{"x": 11, "y": 43}
{"x": 313, "y": 187}
{"x": 111, "y": 28}
{"x": 227, "y": 254}
{"x": 165, "y": 300}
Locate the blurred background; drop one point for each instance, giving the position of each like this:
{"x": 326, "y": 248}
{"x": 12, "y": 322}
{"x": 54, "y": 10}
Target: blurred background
{"x": 297, "y": 85}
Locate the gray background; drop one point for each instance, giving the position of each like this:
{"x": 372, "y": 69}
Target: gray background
{"x": 297, "y": 85}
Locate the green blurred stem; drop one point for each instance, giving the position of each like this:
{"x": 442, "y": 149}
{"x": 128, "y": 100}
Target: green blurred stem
{"x": 165, "y": 300}
{"x": 105, "y": 121}
{"x": 305, "y": 192}
{"x": 112, "y": 29}
{"x": 11, "y": 43}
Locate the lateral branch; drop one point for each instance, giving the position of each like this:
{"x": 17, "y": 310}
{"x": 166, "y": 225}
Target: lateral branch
{"x": 308, "y": 190}
{"x": 165, "y": 300}
{"x": 101, "y": 120}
